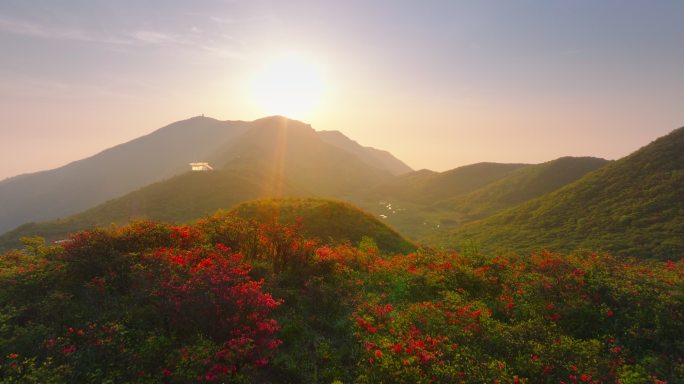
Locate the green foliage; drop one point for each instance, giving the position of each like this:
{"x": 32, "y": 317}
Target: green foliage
{"x": 521, "y": 185}
{"x": 426, "y": 205}
{"x": 631, "y": 207}
{"x": 427, "y": 187}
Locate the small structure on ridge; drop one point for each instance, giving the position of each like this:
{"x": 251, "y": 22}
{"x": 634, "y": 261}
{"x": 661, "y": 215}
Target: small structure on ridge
{"x": 201, "y": 167}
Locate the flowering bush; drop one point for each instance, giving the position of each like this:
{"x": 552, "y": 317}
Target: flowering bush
{"x": 229, "y": 300}
{"x": 145, "y": 302}
{"x": 210, "y": 293}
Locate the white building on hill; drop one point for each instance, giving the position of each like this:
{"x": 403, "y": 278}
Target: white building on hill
{"x": 201, "y": 167}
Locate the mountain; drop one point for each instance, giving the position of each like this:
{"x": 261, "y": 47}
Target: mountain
{"x": 375, "y": 157}
{"x": 274, "y": 157}
{"x": 160, "y": 155}
{"x": 328, "y": 220}
{"x": 521, "y": 185}
{"x": 409, "y": 202}
{"x": 477, "y": 191}
{"x": 291, "y": 150}
{"x": 110, "y": 173}
{"x": 426, "y": 186}
{"x": 630, "y": 207}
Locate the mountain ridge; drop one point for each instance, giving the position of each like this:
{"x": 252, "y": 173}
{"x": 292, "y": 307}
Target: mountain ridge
{"x": 378, "y": 157}
{"x": 117, "y": 170}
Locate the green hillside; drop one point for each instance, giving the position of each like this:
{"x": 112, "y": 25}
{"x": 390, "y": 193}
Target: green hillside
{"x": 468, "y": 193}
{"x": 426, "y": 187}
{"x": 180, "y": 199}
{"x": 521, "y": 185}
{"x": 633, "y": 206}
{"x": 330, "y": 221}
{"x": 408, "y": 202}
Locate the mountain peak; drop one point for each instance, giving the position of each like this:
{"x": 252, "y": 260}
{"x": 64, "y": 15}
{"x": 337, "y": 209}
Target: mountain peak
{"x": 279, "y": 119}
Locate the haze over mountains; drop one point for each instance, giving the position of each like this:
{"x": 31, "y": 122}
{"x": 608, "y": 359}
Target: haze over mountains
{"x": 164, "y": 153}
{"x": 631, "y": 207}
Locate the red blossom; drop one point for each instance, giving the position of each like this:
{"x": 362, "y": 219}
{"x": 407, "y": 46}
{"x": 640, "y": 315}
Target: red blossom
{"x": 69, "y": 350}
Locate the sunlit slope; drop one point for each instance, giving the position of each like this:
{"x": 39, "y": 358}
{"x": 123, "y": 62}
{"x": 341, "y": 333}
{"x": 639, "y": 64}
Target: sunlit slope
{"x": 633, "y": 206}
{"x": 292, "y": 151}
{"x": 328, "y": 220}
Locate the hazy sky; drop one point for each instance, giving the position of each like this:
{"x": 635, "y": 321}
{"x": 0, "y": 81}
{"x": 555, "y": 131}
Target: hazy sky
{"x": 438, "y": 83}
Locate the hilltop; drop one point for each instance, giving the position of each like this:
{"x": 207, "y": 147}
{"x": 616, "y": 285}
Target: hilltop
{"x": 330, "y": 221}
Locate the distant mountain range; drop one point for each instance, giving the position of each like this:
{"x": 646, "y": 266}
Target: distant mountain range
{"x": 160, "y": 155}
{"x": 633, "y": 206}
{"x": 521, "y": 185}
{"x": 426, "y": 204}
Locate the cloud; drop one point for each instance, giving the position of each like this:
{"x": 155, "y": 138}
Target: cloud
{"x": 156, "y": 37}
{"x": 223, "y": 51}
{"x": 29, "y": 28}
{"x": 26, "y": 28}
{"x": 217, "y": 44}
{"x": 246, "y": 20}
{"x": 222, "y": 20}
{"x": 32, "y": 29}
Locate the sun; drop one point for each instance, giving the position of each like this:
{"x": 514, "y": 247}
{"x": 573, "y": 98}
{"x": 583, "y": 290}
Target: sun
{"x": 291, "y": 86}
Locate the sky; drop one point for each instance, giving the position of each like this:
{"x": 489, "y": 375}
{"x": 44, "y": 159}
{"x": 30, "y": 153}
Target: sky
{"x": 439, "y": 84}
